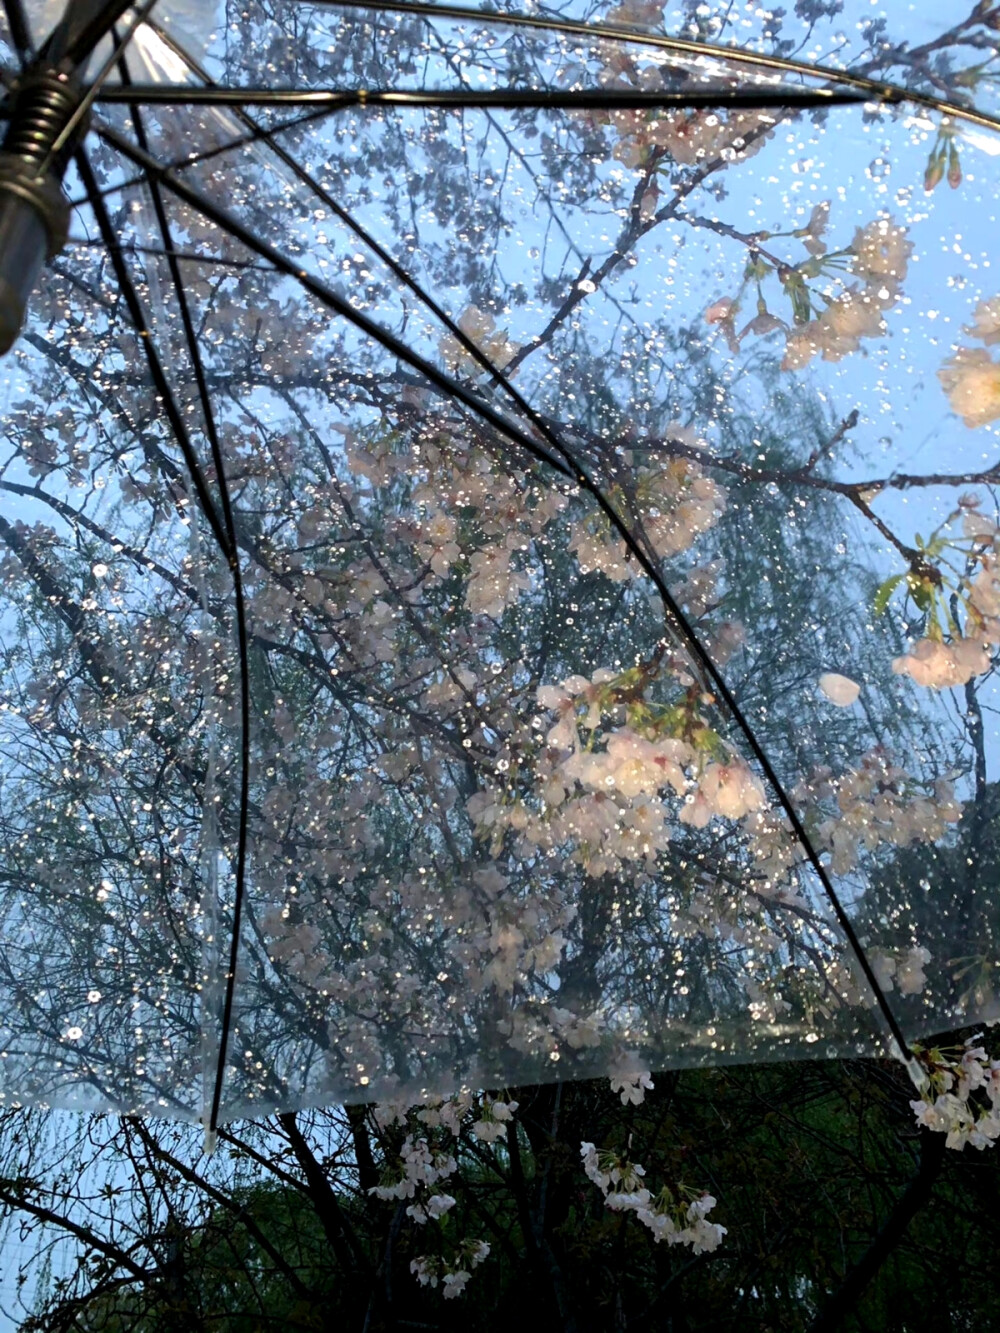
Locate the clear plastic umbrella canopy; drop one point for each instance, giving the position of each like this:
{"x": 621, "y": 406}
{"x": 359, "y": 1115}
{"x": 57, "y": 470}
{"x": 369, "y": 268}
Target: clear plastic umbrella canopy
{"x": 499, "y": 565}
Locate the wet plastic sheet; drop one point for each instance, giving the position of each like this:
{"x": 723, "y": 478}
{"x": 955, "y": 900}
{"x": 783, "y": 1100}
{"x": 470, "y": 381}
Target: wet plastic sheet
{"x": 631, "y": 706}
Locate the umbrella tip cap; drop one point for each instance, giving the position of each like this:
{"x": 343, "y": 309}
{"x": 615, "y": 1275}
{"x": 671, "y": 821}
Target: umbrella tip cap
{"x": 12, "y": 311}
{"x": 24, "y": 246}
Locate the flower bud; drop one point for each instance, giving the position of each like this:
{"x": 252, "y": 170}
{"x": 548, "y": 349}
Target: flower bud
{"x": 954, "y": 168}
{"x": 934, "y": 173}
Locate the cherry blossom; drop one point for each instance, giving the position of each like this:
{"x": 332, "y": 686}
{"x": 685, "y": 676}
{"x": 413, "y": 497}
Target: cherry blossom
{"x": 434, "y": 1208}
{"x": 493, "y": 584}
{"x": 840, "y": 690}
{"x": 429, "y": 1270}
{"x": 479, "y": 326}
{"x": 971, "y": 379}
{"x": 943, "y": 665}
{"x": 492, "y": 1124}
{"x": 731, "y": 790}
{"x": 881, "y": 251}
{"x": 692, "y": 137}
{"x": 812, "y": 233}
{"x": 877, "y": 802}
{"x": 961, "y": 1098}
{"x": 667, "y": 1215}
{"x": 986, "y": 321}
{"x": 904, "y": 969}
{"x": 632, "y": 1087}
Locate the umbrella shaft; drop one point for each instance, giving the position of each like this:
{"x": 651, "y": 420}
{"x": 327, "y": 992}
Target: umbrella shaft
{"x": 34, "y": 214}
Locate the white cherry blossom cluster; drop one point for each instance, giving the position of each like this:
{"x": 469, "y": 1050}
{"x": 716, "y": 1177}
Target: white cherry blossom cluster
{"x": 962, "y": 1098}
{"x": 608, "y": 808}
{"x": 550, "y": 1028}
{"x": 947, "y": 655}
{"x": 418, "y": 1164}
{"x": 941, "y": 666}
{"x": 480, "y": 327}
{"x": 970, "y": 377}
{"x": 446, "y": 1113}
{"x": 432, "y": 1208}
{"x": 436, "y": 541}
{"x": 416, "y": 1171}
{"x": 632, "y": 1086}
{"x": 679, "y": 504}
{"x": 688, "y": 137}
{"x": 878, "y": 255}
{"x": 874, "y": 803}
{"x": 669, "y": 1217}
{"x": 902, "y": 969}
{"x": 453, "y": 1275}
{"x": 495, "y": 1115}
{"x": 608, "y": 795}
{"x": 776, "y": 851}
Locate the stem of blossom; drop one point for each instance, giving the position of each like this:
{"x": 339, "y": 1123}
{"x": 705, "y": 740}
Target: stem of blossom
{"x": 824, "y": 450}
{"x": 752, "y": 240}
{"x": 913, "y": 1198}
{"x": 918, "y": 564}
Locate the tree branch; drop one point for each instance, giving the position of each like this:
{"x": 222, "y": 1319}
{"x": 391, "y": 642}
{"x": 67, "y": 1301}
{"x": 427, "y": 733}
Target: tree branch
{"x": 913, "y": 1198}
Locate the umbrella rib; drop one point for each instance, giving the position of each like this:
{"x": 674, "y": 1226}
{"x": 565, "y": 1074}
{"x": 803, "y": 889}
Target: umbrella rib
{"x": 221, "y": 530}
{"x": 386, "y": 258}
{"x": 447, "y": 384}
{"x": 85, "y": 24}
{"x": 160, "y": 253}
{"x": 568, "y": 465}
{"x": 160, "y": 380}
{"x": 17, "y": 21}
{"x": 239, "y": 597}
{"x": 392, "y": 264}
{"x": 581, "y": 99}
{"x": 70, "y": 130}
{"x": 874, "y": 89}
{"x": 229, "y": 146}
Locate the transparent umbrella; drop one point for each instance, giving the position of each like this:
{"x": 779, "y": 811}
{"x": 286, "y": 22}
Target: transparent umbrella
{"x": 497, "y": 541}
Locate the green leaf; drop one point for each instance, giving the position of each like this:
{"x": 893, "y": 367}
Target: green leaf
{"x": 798, "y": 294}
{"x": 885, "y": 592}
{"x": 921, "y": 591}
